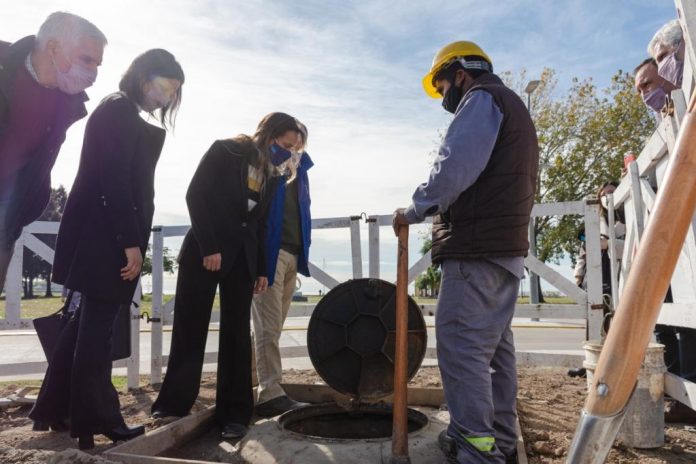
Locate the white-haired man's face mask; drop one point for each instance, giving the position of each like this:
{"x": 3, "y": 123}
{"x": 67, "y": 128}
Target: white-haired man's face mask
{"x": 76, "y": 64}
{"x": 670, "y": 62}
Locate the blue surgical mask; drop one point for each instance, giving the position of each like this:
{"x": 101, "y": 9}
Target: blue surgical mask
{"x": 655, "y": 99}
{"x": 279, "y": 154}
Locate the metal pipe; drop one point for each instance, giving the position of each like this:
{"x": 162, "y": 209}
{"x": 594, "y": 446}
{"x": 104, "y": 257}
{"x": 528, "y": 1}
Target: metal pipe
{"x": 400, "y": 418}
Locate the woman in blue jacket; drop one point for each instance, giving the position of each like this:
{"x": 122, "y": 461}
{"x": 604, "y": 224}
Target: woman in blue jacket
{"x": 287, "y": 251}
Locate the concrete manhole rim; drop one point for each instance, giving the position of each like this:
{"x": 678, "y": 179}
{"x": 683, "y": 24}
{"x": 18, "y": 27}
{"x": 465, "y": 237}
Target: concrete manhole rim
{"x": 317, "y": 409}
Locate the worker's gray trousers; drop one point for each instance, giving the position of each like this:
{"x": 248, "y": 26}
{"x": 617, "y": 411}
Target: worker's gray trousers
{"x": 476, "y": 354}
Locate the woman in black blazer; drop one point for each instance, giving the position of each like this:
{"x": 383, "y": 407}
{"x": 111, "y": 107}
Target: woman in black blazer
{"x": 227, "y": 202}
{"x": 100, "y": 246}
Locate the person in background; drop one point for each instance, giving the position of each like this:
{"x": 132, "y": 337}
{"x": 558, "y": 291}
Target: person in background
{"x": 651, "y": 87}
{"x": 101, "y": 243}
{"x": 228, "y": 201}
{"x": 42, "y": 83}
{"x": 289, "y": 226}
{"x": 604, "y": 235}
{"x": 667, "y": 48}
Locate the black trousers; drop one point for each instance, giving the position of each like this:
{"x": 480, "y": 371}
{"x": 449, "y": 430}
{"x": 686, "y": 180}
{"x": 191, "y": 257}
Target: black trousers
{"x": 680, "y": 350}
{"x": 195, "y": 293}
{"x": 77, "y": 385}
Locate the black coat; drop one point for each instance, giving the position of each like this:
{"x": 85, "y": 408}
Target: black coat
{"x": 217, "y": 200}
{"x": 33, "y": 181}
{"x": 111, "y": 204}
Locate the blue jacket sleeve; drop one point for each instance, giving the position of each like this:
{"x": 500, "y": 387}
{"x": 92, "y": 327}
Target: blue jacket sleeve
{"x": 462, "y": 157}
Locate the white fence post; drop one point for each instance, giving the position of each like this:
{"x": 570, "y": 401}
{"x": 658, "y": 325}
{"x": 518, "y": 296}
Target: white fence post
{"x": 355, "y": 246}
{"x": 157, "y": 300}
{"x": 593, "y": 276}
{"x": 373, "y": 246}
{"x": 533, "y": 278}
{"x": 133, "y": 363}
{"x": 613, "y": 260}
{"x": 13, "y": 286}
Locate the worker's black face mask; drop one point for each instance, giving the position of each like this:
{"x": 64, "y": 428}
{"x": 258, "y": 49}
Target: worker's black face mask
{"x": 454, "y": 95}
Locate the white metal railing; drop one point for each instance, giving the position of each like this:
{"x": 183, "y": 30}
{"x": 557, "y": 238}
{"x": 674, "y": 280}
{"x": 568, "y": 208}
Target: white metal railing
{"x": 586, "y": 305}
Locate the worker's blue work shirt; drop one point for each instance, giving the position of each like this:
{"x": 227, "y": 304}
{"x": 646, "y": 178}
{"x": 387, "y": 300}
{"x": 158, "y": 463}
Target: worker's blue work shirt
{"x": 463, "y": 155}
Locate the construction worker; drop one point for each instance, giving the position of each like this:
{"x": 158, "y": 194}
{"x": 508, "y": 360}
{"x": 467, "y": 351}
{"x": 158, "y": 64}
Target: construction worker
{"x": 481, "y": 192}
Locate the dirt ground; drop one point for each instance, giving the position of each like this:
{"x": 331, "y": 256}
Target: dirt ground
{"x": 549, "y": 405}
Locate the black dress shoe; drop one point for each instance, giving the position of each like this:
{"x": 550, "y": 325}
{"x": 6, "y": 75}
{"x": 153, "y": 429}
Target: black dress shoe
{"x": 42, "y": 426}
{"x": 85, "y": 442}
{"x": 162, "y": 413}
{"x": 233, "y": 430}
{"x": 277, "y": 406}
{"x": 124, "y": 432}
{"x": 577, "y": 372}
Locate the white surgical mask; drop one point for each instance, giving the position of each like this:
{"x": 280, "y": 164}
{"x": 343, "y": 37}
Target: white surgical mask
{"x": 76, "y": 79}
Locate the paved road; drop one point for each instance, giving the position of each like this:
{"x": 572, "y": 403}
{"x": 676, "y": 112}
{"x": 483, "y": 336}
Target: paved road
{"x": 21, "y": 355}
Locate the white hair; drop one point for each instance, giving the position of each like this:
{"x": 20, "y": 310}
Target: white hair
{"x": 67, "y": 28}
{"x": 670, "y": 35}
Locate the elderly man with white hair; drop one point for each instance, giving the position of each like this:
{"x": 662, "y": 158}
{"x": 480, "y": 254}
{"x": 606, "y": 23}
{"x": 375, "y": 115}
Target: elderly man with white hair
{"x": 42, "y": 83}
{"x": 667, "y": 49}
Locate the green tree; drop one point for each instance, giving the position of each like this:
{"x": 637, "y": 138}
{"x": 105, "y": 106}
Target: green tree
{"x": 428, "y": 283}
{"x": 169, "y": 261}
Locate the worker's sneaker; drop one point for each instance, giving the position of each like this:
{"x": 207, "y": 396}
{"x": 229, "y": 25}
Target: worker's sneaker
{"x": 512, "y": 458}
{"x": 277, "y": 406}
{"x": 448, "y": 446}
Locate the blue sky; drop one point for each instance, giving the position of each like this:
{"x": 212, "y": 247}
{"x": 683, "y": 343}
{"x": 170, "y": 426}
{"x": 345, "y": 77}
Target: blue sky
{"x": 350, "y": 70}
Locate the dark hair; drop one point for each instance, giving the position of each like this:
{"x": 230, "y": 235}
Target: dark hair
{"x": 153, "y": 63}
{"x": 271, "y": 127}
{"x": 645, "y": 62}
{"x": 603, "y": 210}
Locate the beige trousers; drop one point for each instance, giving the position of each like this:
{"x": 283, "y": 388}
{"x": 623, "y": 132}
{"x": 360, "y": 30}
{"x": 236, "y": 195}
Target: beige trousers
{"x": 268, "y": 312}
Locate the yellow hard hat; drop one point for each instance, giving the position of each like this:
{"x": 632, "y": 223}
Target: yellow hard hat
{"x": 445, "y": 56}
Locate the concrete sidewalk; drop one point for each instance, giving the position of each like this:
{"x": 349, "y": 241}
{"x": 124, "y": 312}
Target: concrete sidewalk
{"x": 21, "y": 356}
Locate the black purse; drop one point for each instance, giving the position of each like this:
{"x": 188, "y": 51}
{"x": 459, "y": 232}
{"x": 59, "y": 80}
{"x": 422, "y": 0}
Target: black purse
{"x": 49, "y": 328}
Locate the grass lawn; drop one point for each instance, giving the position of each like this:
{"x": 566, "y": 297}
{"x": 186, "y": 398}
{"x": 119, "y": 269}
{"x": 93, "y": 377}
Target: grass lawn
{"x": 119, "y": 381}
{"x": 41, "y": 306}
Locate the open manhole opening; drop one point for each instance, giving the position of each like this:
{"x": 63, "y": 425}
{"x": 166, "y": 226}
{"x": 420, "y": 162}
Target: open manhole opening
{"x": 335, "y": 422}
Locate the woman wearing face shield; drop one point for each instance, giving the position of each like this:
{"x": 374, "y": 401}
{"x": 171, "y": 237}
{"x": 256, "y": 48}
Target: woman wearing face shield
{"x": 101, "y": 241}
{"x": 227, "y": 200}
